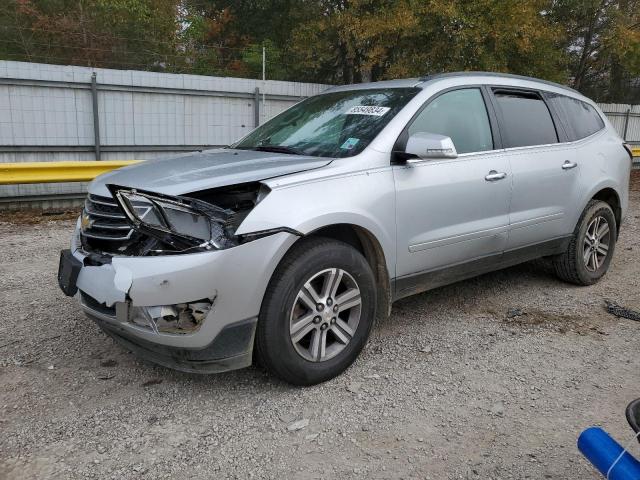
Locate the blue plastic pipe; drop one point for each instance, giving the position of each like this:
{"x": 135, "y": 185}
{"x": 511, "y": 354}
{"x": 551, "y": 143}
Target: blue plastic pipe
{"x": 602, "y": 450}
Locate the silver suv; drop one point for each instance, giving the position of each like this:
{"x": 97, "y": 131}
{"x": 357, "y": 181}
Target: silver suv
{"x": 287, "y": 245}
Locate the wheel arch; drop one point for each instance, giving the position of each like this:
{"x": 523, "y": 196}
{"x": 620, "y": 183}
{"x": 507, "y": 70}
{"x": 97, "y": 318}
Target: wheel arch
{"x": 365, "y": 242}
{"x": 611, "y": 197}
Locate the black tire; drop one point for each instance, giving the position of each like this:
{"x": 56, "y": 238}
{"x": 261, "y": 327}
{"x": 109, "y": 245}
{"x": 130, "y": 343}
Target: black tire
{"x": 274, "y": 345}
{"x": 570, "y": 266}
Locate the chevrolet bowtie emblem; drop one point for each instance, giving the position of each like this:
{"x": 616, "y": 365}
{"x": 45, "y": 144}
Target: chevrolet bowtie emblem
{"x": 85, "y": 222}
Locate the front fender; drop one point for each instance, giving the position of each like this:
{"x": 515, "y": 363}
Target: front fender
{"x": 364, "y": 199}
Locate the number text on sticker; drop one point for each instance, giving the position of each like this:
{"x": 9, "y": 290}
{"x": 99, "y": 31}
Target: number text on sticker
{"x": 367, "y": 110}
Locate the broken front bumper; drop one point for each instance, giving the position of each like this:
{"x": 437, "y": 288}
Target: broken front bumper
{"x": 234, "y": 280}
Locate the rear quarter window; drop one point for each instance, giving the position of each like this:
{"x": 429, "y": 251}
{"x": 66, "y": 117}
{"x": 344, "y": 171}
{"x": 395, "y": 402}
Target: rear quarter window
{"x": 580, "y": 118}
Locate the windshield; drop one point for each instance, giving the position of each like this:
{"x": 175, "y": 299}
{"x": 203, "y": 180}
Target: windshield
{"x": 339, "y": 124}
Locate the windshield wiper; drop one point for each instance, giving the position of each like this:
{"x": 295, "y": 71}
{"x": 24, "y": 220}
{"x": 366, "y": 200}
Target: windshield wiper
{"x": 278, "y": 149}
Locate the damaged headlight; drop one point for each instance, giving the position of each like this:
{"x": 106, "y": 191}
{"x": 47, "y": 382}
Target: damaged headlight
{"x": 183, "y": 223}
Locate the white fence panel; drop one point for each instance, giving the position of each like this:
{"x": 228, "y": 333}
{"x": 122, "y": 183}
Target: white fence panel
{"x": 47, "y": 114}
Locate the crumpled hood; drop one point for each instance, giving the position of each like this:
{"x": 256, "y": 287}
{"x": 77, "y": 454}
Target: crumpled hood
{"x": 203, "y": 170}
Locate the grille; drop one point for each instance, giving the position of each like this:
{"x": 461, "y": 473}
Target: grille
{"x": 103, "y": 220}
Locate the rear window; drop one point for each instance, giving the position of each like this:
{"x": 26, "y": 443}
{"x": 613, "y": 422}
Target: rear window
{"x": 580, "y": 118}
{"x": 526, "y": 119}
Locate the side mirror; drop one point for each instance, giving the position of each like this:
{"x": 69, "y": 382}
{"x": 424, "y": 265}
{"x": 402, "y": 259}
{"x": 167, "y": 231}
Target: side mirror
{"x": 429, "y": 146}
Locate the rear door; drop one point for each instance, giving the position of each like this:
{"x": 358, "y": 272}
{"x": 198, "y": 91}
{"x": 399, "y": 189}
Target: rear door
{"x": 544, "y": 168}
{"x": 450, "y": 211}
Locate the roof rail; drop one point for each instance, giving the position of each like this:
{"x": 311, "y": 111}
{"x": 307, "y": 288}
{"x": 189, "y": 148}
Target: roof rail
{"x": 436, "y": 76}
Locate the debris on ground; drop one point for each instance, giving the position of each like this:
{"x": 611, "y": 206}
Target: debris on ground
{"x": 515, "y": 312}
{"x": 153, "y": 381}
{"x": 498, "y": 409}
{"x": 354, "y": 387}
{"x": 298, "y": 425}
{"x": 622, "y": 312}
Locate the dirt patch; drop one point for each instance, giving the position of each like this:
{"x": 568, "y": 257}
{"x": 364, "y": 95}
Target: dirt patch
{"x": 635, "y": 180}
{"x": 563, "y": 323}
{"x": 34, "y": 216}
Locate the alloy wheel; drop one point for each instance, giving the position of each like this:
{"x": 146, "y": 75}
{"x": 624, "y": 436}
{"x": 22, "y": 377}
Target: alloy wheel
{"x": 596, "y": 245}
{"x": 325, "y": 315}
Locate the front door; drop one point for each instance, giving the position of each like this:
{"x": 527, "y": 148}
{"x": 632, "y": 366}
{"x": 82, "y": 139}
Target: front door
{"x": 452, "y": 211}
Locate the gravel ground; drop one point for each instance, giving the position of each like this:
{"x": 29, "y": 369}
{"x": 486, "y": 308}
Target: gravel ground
{"x": 451, "y": 386}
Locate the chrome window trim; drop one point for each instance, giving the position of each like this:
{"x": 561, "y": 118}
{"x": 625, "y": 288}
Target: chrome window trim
{"x": 515, "y": 149}
{"x": 478, "y": 153}
{"x": 548, "y": 145}
{"x": 463, "y": 157}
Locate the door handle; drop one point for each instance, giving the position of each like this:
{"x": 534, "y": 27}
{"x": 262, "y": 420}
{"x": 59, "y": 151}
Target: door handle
{"x": 492, "y": 176}
{"x": 567, "y": 165}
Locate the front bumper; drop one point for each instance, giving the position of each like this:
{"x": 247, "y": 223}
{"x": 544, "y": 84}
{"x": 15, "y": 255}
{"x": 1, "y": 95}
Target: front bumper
{"x": 235, "y": 279}
{"x": 230, "y": 350}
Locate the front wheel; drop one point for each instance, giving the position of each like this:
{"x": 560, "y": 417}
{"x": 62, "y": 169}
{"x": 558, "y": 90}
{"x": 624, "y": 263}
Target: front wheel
{"x": 317, "y": 313}
{"x": 591, "y": 249}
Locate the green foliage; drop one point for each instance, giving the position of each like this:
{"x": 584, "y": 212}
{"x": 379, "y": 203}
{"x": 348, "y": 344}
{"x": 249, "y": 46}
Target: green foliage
{"x": 601, "y": 43}
{"x": 109, "y": 33}
{"x": 372, "y": 39}
{"x": 276, "y": 67}
{"x": 593, "y": 45}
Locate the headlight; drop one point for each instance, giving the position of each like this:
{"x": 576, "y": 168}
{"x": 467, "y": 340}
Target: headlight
{"x": 178, "y": 221}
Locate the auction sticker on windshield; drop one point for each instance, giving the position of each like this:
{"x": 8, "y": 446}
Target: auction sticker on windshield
{"x": 350, "y": 143}
{"x": 367, "y": 110}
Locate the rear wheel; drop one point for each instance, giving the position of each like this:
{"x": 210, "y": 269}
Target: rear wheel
{"x": 591, "y": 249}
{"x": 317, "y": 313}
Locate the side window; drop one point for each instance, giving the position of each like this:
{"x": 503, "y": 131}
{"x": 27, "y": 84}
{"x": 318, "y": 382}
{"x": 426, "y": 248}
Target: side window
{"x": 580, "y": 118}
{"x": 461, "y": 115}
{"x": 525, "y": 119}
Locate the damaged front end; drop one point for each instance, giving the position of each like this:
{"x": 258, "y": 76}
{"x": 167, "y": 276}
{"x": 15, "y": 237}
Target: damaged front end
{"x": 119, "y": 236}
{"x": 177, "y": 224}
{"x": 136, "y": 222}
{"x": 174, "y": 319}
{"x": 157, "y": 262}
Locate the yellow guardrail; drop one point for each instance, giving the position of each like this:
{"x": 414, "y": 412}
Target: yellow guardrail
{"x": 53, "y": 172}
{"x": 635, "y": 151}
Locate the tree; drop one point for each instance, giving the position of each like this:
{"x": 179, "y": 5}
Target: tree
{"x": 227, "y": 37}
{"x": 594, "y": 45}
{"x": 355, "y": 40}
{"x": 602, "y": 43}
{"x": 109, "y": 33}
{"x": 211, "y": 42}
